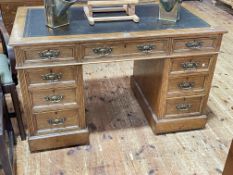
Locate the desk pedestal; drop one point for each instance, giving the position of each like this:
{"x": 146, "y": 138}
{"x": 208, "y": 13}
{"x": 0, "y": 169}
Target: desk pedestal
{"x": 169, "y": 106}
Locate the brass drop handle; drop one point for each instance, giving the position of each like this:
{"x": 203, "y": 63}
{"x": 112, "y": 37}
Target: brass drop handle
{"x": 52, "y": 76}
{"x": 194, "y": 44}
{"x": 189, "y": 65}
{"x": 186, "y": 85}
{"x": 147, "y": 48}
{"x": 49, "y": 54}
{"x": 54, "y": 98}
{"x": 103, "y": 51}
{"x": 183, "y": 106}
{"x": 57, "y": 121}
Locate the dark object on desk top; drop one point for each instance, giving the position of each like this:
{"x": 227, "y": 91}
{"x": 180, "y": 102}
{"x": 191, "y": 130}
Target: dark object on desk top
{"x": 148, "y": 14}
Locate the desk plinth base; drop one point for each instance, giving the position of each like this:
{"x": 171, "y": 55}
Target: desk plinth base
{"x": 58, "y": 140}
{"x": 160, "y": 126}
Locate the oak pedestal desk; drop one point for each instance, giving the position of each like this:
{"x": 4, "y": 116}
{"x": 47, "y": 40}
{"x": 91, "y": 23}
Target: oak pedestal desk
{"x": 173, "y": 69}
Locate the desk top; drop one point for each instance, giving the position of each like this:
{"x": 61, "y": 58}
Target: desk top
{"x": 148, "y": 14}
{"x": 30, "y": 26}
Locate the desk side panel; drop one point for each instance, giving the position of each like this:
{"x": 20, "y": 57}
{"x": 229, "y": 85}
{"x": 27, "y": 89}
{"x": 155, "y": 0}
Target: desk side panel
{"x": 151, "y": 76}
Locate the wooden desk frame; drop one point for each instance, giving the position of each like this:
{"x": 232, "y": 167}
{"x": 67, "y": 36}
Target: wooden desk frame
{"x": 157, "y": 55}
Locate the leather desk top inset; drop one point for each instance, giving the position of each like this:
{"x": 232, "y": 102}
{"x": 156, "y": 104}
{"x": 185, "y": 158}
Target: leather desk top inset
{"x": 35, "y": 22}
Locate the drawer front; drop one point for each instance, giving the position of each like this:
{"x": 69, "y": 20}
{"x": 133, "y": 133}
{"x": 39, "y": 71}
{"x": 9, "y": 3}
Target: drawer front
{"x": 57, "y": 120}
{"x": 102, "y": 50}
{"x": 197, "y": 44}
{"x": 51, "y": 75}
{"x": 186, "y": 84}
{"x": 49, "y": 54}
{"x": 53, "y": 97}
{"x": 148, "y": 48}
{"x": 190, "y": 64}
{"x": 183, "y": 106}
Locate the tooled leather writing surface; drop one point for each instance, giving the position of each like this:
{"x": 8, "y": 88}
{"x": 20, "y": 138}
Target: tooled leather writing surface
{"x": 35, "y": 22}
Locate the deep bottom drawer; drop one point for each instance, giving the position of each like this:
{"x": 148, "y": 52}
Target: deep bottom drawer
{"x": 57, "y": 120}
{"x": 177, "y": 107}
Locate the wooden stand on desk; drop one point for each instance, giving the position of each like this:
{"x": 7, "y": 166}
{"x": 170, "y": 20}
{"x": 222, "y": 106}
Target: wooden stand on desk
{"x": 127, "y": 6}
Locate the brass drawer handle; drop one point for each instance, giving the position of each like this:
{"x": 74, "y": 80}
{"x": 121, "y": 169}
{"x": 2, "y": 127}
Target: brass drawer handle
{"x": 147, "y": 48}
{"x": 103, "y": 51}
{"x": 183, "y": 106}
{"x": 189, "y": 65}
{"x": 186, "y": 85}
{"x": 194, "y": 44}
{"x": 57, "y": 121}
{"x": 49, "y": 54}
{"x": 54, "y": 98}
{"x": 52, "y": 76}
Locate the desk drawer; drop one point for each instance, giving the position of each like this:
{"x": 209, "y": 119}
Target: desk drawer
{"x": 102, "y": 50}
{"x": 148, "y": 47}
{"x": 177, "y": 107}
{"x": 57, "y": 120}
{"x": 187, "y": 84}
{"x": 49, "y": 54}
{"x": 190, "y": 64}
{"x": 51, "y": 75}
{"x": 50, "y": 99}
{"x": 197, "y": 44}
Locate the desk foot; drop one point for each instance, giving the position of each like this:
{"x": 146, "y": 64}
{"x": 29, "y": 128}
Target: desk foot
{"x": 160, "y": 126}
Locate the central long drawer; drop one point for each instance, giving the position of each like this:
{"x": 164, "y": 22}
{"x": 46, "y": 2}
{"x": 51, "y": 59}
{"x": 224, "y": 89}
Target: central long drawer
{"x": 183, "y": 107}
{"x": 136, "y": 49}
